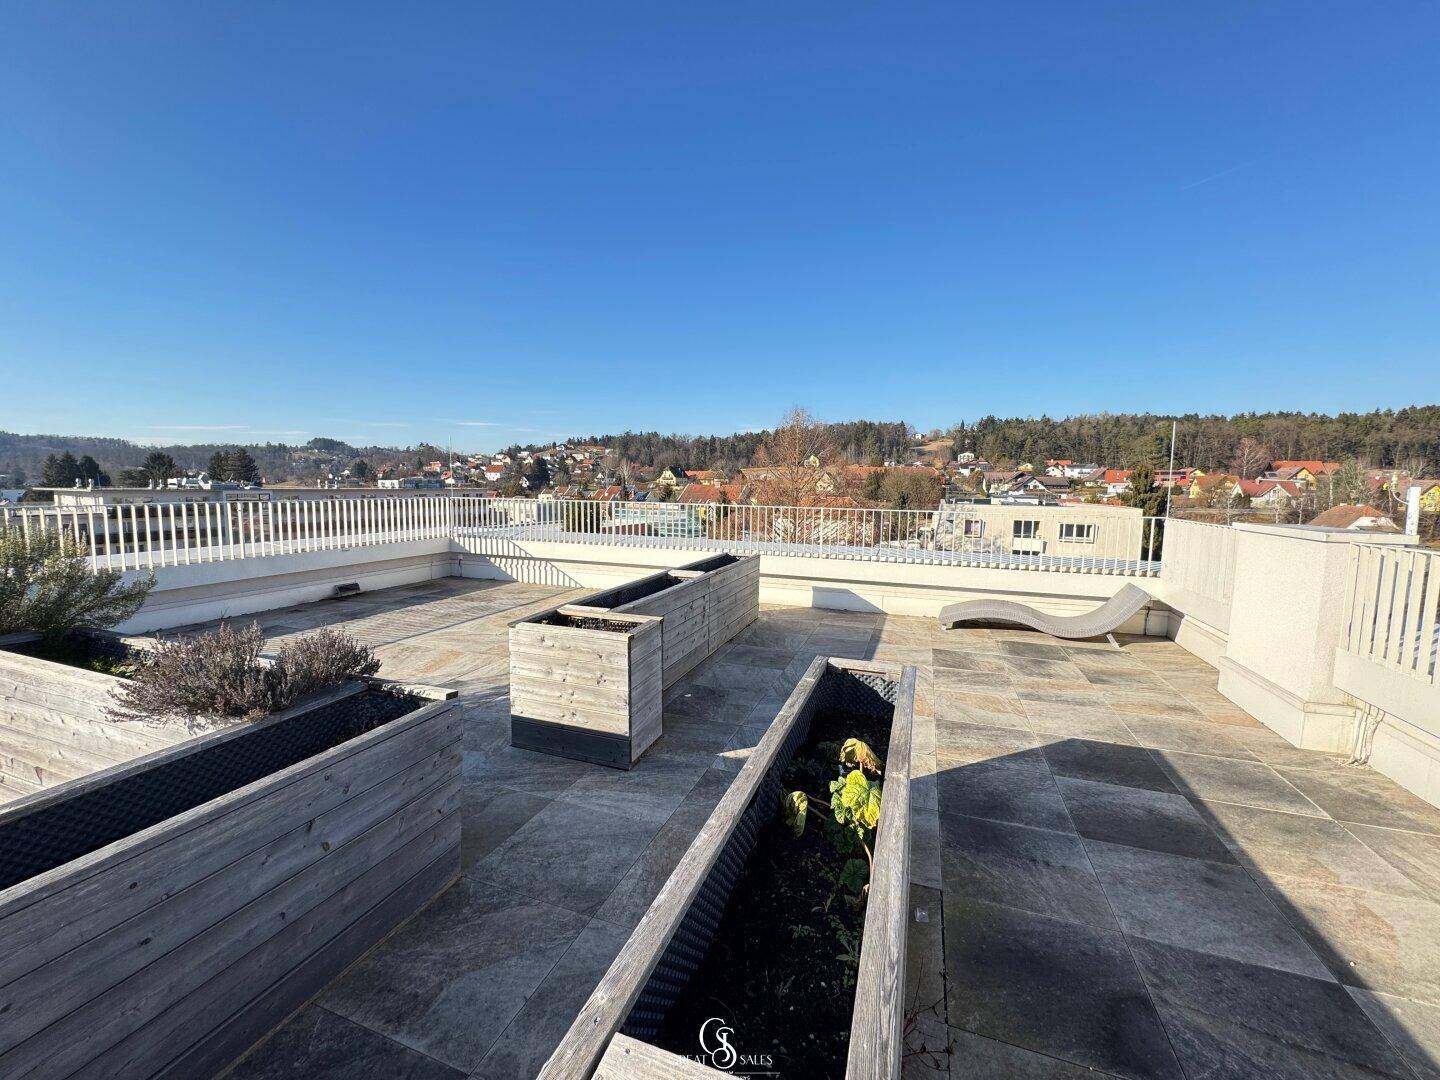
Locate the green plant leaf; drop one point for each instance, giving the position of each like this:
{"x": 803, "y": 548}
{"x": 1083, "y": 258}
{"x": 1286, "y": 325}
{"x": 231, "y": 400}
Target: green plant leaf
{"x": 857, "y": 752}
{"x": 855, "y": 876}
{"x": 795, "y": 806}
{"x": 857, "y": 802}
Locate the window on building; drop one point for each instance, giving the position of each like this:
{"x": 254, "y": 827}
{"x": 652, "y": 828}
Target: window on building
{"x": 1026, "y": 529}
{"x": 1073, "y": 532}
{"x": 974, "y": 528}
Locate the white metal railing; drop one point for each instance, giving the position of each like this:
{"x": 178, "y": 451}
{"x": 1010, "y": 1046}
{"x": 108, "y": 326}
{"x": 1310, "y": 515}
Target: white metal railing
{"x": 1200, "y": 558}
{"x": 1392, "y": 608}
{"x": 140, "y": 536}
{"x": 953, "y": 535}
{"x": 144, "y": 536}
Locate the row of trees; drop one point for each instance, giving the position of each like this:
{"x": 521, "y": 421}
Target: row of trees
{"x": 66, "y": 470}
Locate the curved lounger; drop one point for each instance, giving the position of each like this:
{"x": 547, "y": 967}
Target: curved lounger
{"x": 1102, "y": 622}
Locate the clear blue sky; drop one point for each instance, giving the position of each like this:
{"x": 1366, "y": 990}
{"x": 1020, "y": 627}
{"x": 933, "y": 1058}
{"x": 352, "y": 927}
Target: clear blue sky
{"x": 375, "y": 222}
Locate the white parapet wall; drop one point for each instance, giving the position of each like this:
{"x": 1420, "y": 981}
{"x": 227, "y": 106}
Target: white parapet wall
{"x": 1285, "y": 622}
{"x": 221, "y": 590}
{"x": 805, "y": 581}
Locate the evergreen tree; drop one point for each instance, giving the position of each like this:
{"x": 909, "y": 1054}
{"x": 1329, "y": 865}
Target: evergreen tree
{"x": 1143, "y": 492}
{"x": 219, "y": 467}
{"x": 538, "y": 474}
{"x": 90, "y": 472}
{"x": 159, "y": 467}
{"x": 241, "y": 467}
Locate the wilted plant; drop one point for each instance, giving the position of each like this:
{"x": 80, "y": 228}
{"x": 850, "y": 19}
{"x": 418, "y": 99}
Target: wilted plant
{"x": 853, "y": 814}
{"x": 47, "y": 585}
{"x": 221, "y": 676}
{"x": 319, "y": 661}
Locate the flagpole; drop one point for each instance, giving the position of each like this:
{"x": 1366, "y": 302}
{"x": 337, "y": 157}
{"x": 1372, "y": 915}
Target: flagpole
{"x": 1170, "y": 486}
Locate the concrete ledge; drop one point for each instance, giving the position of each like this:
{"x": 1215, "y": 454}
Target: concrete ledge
{"x": 1200, "y": 639}
{"x": 1408, "y": 755}
{"x": 201, "y": 592}
{"x": 1309, "y": 725}
{"x": 806, "y": 581}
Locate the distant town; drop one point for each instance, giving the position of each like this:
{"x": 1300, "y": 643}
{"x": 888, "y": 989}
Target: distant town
{"x": 801, "y": 462}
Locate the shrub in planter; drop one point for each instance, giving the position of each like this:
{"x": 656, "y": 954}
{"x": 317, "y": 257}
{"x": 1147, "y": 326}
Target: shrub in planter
{"x": 48, "y": 586}
{"x": 220, "y": 676}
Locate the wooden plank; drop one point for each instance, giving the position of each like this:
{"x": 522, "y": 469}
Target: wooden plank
{"x": 877, "y": 1025}
{"x": 69, "y": 917}
{"x": 45, "y": 994}
{"x": 252, "y": 804}
{"x": 630, "y": 1059}
{"x": 123, "y": 1008}
{"x": 284, "y": 986}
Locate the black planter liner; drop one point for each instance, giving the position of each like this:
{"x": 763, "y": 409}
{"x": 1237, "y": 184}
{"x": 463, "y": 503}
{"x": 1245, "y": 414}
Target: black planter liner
{"x": 854, "y": 692}
{"x": 649, "y": 586}
{"x": 56, "y": 833}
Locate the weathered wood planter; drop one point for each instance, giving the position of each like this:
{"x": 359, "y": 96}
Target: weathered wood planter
{"x": 585, "y": 684}
{"x": 161, "y": 916}
{"x": 600, "y": 698}
{"x": 630, "y": 1004}
{"x": 55, "y": 725}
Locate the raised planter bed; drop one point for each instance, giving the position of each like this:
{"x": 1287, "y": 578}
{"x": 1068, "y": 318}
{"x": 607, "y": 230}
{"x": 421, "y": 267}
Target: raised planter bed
{"x": 601, "y": 703}
{"x": 687, "y": 935}
{"x": 161, "y": 916}
{"x": 704, "y": 604}
{"x": 55, "y": 723}
{"x": 585, "y": 683}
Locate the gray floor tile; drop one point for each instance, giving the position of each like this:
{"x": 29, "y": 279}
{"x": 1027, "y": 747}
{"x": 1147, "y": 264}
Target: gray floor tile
{"x": 1055, "y": 987}
{"x": 973, "y": 707}
{"x": 529, "y": 1040}
{"x": 1106, "y": 763}
{"x": 1199, "y": 776}
{"x": 1213, "y": 1048}
{"x": 569, "y": 855}
{"x": 1316, "y": 1014}
{"x": 1416, "y": 855}
{"x": 1199, "y": 905}
{"x": 525, "y": 770}
{"x": 963, "y": 742}
{"x": 1140, "y": 818}
{"x": 1091, "y": 724}
{"x": 319, "y": 1045}
{"x": 1283, "y": 847}
{"x": 925, "y": 954}
{"x": 1390, "y": 944}
{"x": 490, "y": 815}
{"x": 1033, "y": 650}
{"x": 449, "y": 981}
{"x": 1366, "y": 798}
{"x": 1413, "y": 1028}
{"x": 1015, "y": 787}
{"x": 1191, "y": 736}
{"x": 974, "y": 1057}
{"x": 627, "y": 904}
{"x": 1032, "y": 869}
{"x": 652, "y": 790}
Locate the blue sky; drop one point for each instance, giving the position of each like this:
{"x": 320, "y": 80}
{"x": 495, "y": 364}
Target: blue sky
{"x": 486, "y": 222}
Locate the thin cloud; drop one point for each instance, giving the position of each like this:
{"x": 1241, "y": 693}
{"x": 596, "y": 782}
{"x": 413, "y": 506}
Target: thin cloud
{"x": 1218, "y": 175}
{"x": 197, "y": 427}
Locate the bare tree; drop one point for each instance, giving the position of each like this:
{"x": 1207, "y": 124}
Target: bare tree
{"x": 799, "y": 461}
{"x": 1251, "y": 457}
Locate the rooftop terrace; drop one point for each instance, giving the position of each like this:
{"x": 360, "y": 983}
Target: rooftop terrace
{"x": 1114, "y": 867}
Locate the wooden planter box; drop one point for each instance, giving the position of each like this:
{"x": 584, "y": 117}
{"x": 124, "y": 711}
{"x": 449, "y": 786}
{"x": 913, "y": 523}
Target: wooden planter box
{"x": 587, "y": 680}
{"x": 585, "y": 683}
{"x": 703, "y": 604}
{"x": 55, "y": 724}
{"x": 631, "y": 1001}
{"x": 162, "y": 916}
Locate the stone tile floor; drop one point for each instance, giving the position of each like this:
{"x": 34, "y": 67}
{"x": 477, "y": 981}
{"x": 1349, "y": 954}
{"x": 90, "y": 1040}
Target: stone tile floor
{"x": 1115, "y": 869}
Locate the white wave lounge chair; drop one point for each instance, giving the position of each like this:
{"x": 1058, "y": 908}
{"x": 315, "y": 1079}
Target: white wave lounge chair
{"x": 1102, "y": 622}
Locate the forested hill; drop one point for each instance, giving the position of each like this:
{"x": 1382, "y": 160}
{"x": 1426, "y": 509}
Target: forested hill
{"x": 1382, "y": 438}
{"x": 1406, "y": 437}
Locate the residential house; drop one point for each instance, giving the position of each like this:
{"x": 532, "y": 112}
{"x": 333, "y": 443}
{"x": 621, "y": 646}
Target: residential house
{"x": 1116, "y": 481}
{"x": 1272, "y": 494}
{"x": 1429, "y": 495}
{"x": 1305, "y": 472}
{"x": 1355, "y": 518}
{"x": 713, "y": 493}
{"x": 1214, "y": 488}
{"x": 706, "y": 476}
